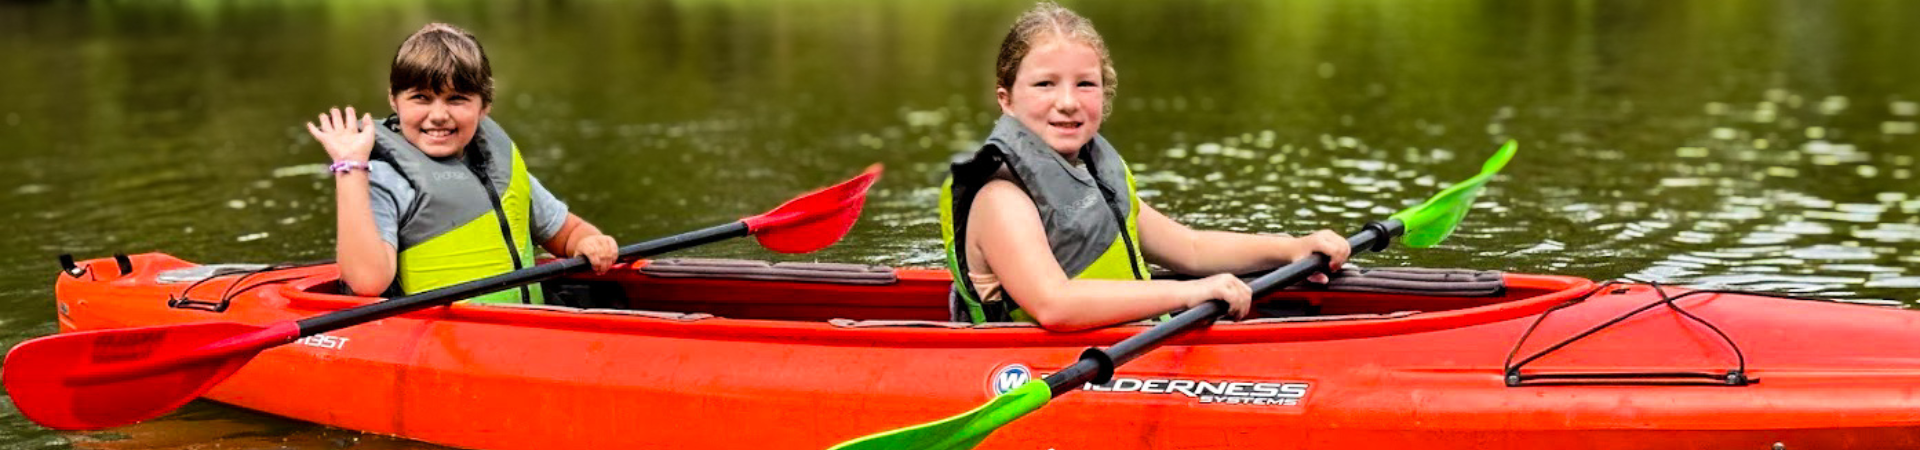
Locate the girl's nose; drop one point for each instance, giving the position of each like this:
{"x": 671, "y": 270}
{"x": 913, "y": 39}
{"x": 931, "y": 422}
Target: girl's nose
{"x": 1065, "y": 102}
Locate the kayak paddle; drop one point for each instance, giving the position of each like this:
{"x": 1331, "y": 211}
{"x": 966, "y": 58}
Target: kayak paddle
{"x": 1424, "y": 225}
{"x": 106, "y": 378}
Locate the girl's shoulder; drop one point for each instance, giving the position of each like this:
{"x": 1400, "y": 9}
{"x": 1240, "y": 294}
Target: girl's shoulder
{"x": 1002, "y": 193}
{"x": 383, "y": 175}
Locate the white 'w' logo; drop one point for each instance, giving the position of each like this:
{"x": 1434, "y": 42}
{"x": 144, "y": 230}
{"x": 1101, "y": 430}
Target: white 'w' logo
{"x": 1010, "y": 377}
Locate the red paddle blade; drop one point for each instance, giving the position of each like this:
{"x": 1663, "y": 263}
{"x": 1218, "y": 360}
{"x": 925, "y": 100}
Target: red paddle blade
{"x": 107, "y": 378}
{"x": 815, "y": 220}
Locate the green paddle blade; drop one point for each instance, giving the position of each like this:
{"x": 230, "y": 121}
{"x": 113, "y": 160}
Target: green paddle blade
{"x": 963, "y": 431}
{"x": 1430, "y": 222}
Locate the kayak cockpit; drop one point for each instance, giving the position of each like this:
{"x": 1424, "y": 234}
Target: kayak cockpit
{"x": 852, "y": 296}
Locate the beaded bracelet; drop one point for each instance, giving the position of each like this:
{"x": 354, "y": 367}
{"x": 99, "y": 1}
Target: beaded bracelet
{"x": 346, "y": 166}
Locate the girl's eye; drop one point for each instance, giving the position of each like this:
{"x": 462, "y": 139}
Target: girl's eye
{"x": 418, "y": 97}
{"x": 1089, "y": 84}
{"x": 1043, "y": 84}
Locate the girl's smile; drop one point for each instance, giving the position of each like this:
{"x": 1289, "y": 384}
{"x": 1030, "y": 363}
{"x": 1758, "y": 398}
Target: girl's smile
{"x": 441, "y": 123}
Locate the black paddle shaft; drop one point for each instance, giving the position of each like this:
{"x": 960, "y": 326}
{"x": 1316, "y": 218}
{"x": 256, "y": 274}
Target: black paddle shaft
{"x": 1096, "y": 365}
{"x": 447, "y": 295}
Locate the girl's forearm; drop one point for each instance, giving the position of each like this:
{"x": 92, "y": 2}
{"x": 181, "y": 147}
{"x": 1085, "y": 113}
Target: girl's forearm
{"x": 566, "y": 243}
{"x": 1083, "y": 304}
{"x": 1228, "y": 252}
{"x": 581, "y": 232}
{"x": 366, "y": 262}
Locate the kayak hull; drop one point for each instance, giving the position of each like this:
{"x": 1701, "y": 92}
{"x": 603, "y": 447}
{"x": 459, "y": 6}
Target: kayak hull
{"x": 513, "y": 377}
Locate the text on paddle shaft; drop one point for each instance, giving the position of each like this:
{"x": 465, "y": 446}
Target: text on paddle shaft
{"x": 324, "y": 341}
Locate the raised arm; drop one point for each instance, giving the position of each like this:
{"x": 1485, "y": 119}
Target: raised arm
{"x": 366, "y": 262}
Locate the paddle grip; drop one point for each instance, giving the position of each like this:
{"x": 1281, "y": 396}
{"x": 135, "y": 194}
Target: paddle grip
{"x": 447, "y": 295}
{"x": 1097, "y": 365}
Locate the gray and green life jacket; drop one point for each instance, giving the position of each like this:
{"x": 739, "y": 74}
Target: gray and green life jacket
{"x": 1091, "y": 215}
{"x": 471, "y": 213}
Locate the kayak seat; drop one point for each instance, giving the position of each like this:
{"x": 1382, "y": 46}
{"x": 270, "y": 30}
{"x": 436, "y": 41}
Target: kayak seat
{"x": 586, "y": 294}
{"x": 746, "y": 269}
{"x": 762, "y": 290}
{"x": 1414, "y": 281}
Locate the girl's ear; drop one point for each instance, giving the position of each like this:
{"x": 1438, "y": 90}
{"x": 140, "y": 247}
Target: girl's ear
{"x": 1006, "y": 100}
{"x": 486, "y": 108}
{"x": 393, "y": 101}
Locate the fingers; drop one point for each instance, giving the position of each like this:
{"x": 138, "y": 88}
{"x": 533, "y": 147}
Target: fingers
{"x": 1241, "y": 299}
{"x": 1248, "y": 292}
{"x": 1334, "y": 246}
{"x": 601, "y": 262}
{"x": 1230, "y": 289}
{"x": 600, "y": 252}
{"x": 334, "y": 121}
{"x": 600, "y": 265}
{"x": 599, "y": 259}
{"x": 345, "y": 136}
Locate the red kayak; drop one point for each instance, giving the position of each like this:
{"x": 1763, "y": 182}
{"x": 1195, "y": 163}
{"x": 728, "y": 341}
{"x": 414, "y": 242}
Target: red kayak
{"x": 809, "y": 355}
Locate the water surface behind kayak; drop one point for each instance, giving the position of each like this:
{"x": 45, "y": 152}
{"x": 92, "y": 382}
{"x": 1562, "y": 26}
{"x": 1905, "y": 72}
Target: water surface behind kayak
{"x": 1765, "y": 145}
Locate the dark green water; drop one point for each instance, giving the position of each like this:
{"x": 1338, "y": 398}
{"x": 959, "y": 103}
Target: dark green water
{"x": 1765, "y": 145}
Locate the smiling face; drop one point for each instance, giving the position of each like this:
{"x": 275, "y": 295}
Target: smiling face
{"x": 441, "y": 85}
{"x": 439, "y": 123}
{"x": 1058, "y": 94}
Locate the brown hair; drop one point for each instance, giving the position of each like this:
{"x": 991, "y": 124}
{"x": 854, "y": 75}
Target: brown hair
{"x": 441, "y": 58}
{"x": 1048, "y": 19}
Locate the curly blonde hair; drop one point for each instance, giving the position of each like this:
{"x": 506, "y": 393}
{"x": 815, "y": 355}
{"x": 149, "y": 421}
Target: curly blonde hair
{"x": 1048, "y": 19}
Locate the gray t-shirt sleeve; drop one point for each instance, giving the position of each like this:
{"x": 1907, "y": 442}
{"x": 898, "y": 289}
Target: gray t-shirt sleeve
{"x": 549, "y": 213}
{"x": 391, "y": 195}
